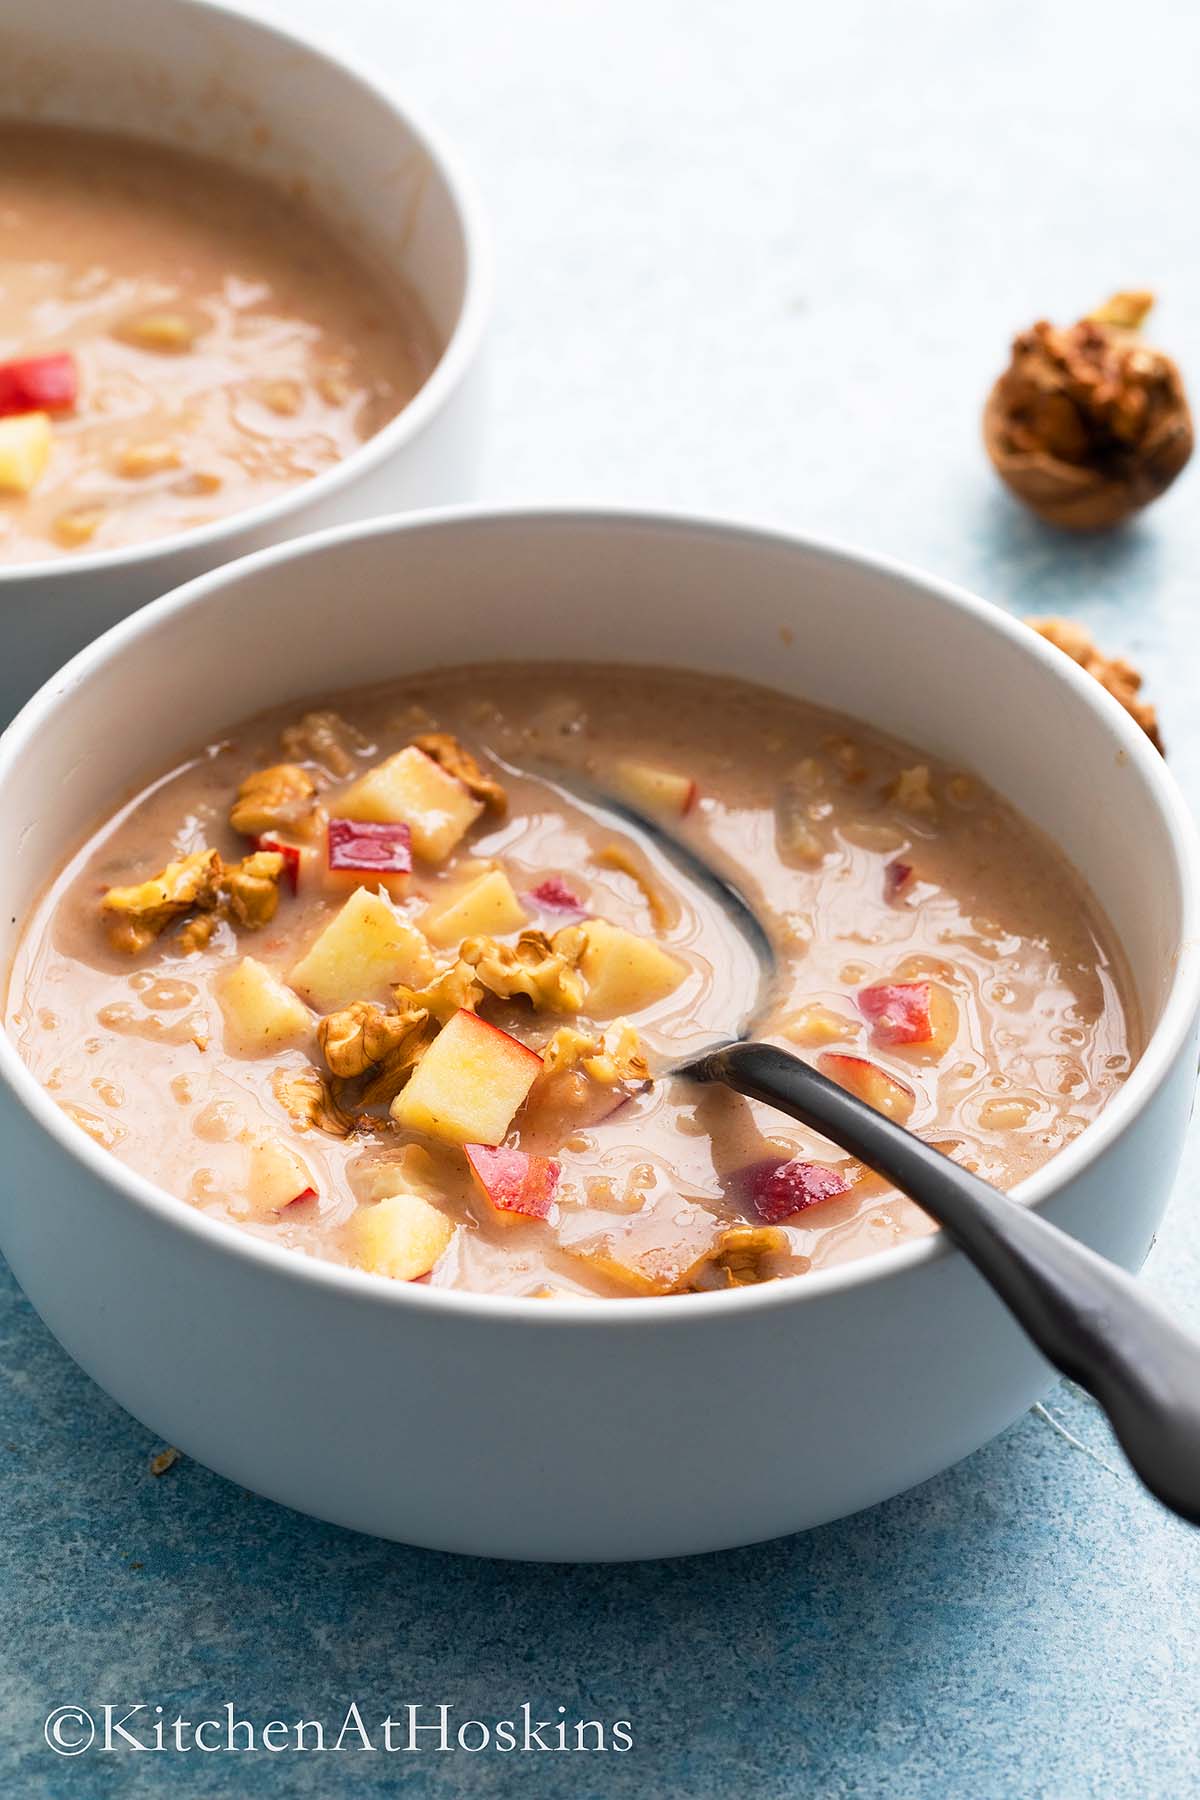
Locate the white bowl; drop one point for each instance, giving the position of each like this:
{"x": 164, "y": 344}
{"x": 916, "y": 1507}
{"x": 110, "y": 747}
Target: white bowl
{"x": 210, "y": 79}
{"x": 551, "y": 1429}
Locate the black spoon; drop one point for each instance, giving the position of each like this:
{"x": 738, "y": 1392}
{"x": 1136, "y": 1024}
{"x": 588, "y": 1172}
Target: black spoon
{"x": 1087, "y": 1317}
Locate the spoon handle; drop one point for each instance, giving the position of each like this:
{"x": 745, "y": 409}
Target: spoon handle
{"x": 1088, "y": 1317}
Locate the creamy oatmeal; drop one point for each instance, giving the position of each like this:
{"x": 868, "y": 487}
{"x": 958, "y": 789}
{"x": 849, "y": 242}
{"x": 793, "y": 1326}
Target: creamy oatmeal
{"x": 376, "y": 981}
{"x": 178, "y": 341}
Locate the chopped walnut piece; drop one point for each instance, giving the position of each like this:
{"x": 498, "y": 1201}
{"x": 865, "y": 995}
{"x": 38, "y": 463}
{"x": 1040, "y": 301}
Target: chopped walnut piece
{"x": 364, "y": 1039}
{"x": 281, "y": 798}
{"x": 741, "y": 1257}
{"x": 362, "y": 1034}
{"x": 535, "y": 966}
{"x": 196, "y": 933}
{"x": 251, "y": 888}
{"x": 456, "y": 761}
{"x": 325, "y": 738}
{"x": 1112, "y": 672}
{"x": 172, "y": 332}
{"x": 305, "y": 1096}
{"x": 1088, "y": 424}
{"x": 453, "y": 990}
{"x": 912, "y": 791}
{"x": 135, "y": 916}
{"x": 613, "y": 1058}
{"x": 566, "y": 1050}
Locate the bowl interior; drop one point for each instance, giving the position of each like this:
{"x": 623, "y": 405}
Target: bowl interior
{"x": 951, "y": 675}
{"x": 212, "y": 81}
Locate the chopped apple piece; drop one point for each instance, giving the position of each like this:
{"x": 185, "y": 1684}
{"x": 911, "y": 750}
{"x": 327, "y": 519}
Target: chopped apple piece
{"x": 39, "y": 384}
{"x": 778, "y": 1190}
{"x": 25, "y": 441}
{"x": 401, "y": 1236}
{"x": 921, "y": 1015}
{"x": 624, "y": 973}
{"x": 658, "y": 790}
{"x": 814, "y": 1025}
{"x": 260, "y": 1013}
{"x": 363, "y": 950}
{"x": 314, "y": 875}
{"x": 412, "y": 788}
{"x": 869, "y": 1082}
{"x": 486, "y": 907}
{"x": 412, "y": 1171}
{"x": 468, "y": 1085}
{"x": 370, "y": 847}
{"x": 277, "y": 1176}
{"x": 515, "y": 1185}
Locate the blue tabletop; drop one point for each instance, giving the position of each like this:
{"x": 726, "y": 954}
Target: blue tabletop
{"x": 762, "y": 260}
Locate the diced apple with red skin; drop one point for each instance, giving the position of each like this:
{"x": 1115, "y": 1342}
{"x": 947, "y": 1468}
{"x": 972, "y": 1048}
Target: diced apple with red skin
{"x": 486, "y": 907}
{"x": 779, "y": 1190}
{"x": 515, "y": 1185}
{"x": 624, "y": 973}
{"x": 277, "y": 1177}
{"x": 370, "y": 846}
{"x": 411, "y": 788}
{"x": 401, "y": 1236}
{"x": 364, "y": 949}
{"x": 39, "y": 384}
{"x": 658, "y": 790}
{"x": 25, "y": 441}
{"x": 919, "y": 1015}
{"x": 260, "y": 1012}
{"x": 888, "y": 1095}
{"x": 315, "y": 875}
{"x": 469, "y": 1085}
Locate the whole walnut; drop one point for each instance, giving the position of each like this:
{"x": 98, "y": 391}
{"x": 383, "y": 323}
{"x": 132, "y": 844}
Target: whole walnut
{"x": 1088, "y": 424}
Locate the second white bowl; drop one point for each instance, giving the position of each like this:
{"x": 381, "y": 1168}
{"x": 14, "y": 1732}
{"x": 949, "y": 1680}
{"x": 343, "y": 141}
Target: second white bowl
{"x": 195, "y": 74}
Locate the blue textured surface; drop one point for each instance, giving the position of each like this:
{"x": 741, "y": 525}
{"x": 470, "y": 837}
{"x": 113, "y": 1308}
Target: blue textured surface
{"x": 763, "y": 260}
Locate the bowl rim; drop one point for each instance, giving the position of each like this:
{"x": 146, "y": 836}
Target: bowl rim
{"x": 1166, "y": 1043}
{"x": 457, "y": 354}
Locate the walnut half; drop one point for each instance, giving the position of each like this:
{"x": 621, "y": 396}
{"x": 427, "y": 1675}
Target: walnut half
{"x": 1088, "y": 424}
{"x": 536, "y": 966}
{"x": 366, "y": 1040}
